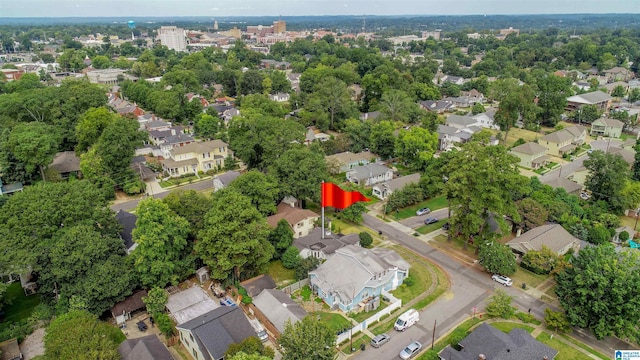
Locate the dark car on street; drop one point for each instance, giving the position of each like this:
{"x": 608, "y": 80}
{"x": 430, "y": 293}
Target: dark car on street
{"x": 431, "y": 220}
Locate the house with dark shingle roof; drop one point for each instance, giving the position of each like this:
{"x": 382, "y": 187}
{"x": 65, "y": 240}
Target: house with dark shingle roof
{"x": 531, "y": 155}
{"x": 145, "y": 348}
{"x": 223, "y": 180}
{"x": 323, "y": 248}
{"x": 128, "y": 222}
{"x": 257, "y": 284}
{"x": 487, "y": 342}
{"x": 569, "y": 186}
{"x": 553, "y": 236}
{"x": 208, "y": 336}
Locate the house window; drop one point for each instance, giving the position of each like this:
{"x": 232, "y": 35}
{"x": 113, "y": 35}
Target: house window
{"x": 191, "y": 336}
{"x": 195, "y": 354}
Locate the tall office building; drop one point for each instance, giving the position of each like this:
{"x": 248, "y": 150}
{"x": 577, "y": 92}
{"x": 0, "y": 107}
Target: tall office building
{"x": 279, "y": 27}
{"x": 173, "y": 37}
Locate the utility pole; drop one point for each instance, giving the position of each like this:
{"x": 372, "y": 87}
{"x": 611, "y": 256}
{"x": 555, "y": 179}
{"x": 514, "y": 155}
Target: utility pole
{"x": 433, "y": 336}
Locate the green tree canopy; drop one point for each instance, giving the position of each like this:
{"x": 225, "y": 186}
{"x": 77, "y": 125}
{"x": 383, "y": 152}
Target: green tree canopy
{"x": 281, "y": 238}
{"x": 161, "y": 235}
{"x": 300, "y": 171}
{"x": 90, "y": 126}
{"x": 34, "y": 144}
{"x": 601, "y": 291}
{"x": 382, "y": 139}
{"x": 307, "y": 339}
{"x": 607, "y": 178}
{"x": 500, "y": 305}
{"x": 234, "y": 240}
{"x": 156, "y": 300}
{"x": 190, "y": 205}
{"x": 416, "y": 147}
{"x": 497, "y": 258}
{"x": 263, "y": 190}
{"x": 79, "y": 335}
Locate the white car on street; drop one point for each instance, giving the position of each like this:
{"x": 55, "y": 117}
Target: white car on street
{"x": 504, "y": 280}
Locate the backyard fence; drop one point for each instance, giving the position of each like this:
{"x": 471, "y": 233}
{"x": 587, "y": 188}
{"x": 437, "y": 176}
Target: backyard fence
{"x": 295, "y": 286}
{"x": 395, "y": 304}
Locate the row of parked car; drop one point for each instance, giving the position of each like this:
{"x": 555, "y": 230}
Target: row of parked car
{"x": 405, "y": 321}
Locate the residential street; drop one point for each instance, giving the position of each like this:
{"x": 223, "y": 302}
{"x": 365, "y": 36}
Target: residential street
{"x": 417, "y": 221}
{"x": 470, "y": 286}
{"x": 131, "y": 204}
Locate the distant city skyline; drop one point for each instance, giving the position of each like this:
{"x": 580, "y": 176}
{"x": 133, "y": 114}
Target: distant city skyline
{"x": 167, "y": 8}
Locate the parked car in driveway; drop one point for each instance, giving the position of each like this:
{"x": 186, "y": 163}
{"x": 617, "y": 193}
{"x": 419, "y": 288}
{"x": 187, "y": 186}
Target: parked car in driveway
{"x": 446, "y": 226}
{"x": 380, "y": 340}
{"x": 423, "y": 211}
{"x": 410, "y": 351}
{"x": 430, "y": 220}
{"x": 504, "y": 280}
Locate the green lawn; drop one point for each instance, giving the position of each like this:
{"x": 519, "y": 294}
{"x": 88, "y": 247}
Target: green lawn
{"x": 506, "y": 326}
{"x": 526, "y": 276}
{"x": 425, "y": 229}
{"x": 336, "y": 322}
{"x": 357, "y": 341}
{"x": 565, "y": 352}
{"x": 20, "y": 306}
{"x": 420, "y": 274}
{"x": 433, "y": 204}
{"x": 583, "y": 346}
{"x": 280, "y": 275}
{"x": 178, "y": 181}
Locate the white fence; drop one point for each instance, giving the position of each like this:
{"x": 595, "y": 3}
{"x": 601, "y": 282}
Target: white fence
{"x": 395, "y": 304}
{"x": 295, "y": 286}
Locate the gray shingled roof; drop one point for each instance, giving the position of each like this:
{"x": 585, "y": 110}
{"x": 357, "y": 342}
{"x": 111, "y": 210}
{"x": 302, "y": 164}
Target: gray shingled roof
{"x": 279, "y": 308}
{"x": 65, "y": 162}
{"x": 560, "y": 182}
{"x": 367, "y": 171}
{"x": 518, "y": 344}
{"x": 227, "y": 177}
{"x": 401, "y": 182}
{"x": 553, "y": 236}
{"x": 200, "y": 147}
{"x": 590, "y": 98}
{"x": 128, "y": 223}
{"x": 558, "y": 136}
{"x": 460, "y": 120}
{"x": 328, "y": 245}
{"x": 255, "y": 285}
{"x": 219, "y": 328}
{"x": 145, "y": 348}
{"x": 529, "y": 148}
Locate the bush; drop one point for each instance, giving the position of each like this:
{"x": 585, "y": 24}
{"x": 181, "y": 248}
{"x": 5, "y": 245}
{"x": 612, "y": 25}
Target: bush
{"x": 246, "y": 299}
{"x": 624, "y": 236}
{"x": 306, "y": 265}
{"x": 365, "y": 239}
{"x": 291, "y": 257}
{"x": 165, "y": 324}
{"x": 409, "y": 281}
{"x": 525, "y": 317}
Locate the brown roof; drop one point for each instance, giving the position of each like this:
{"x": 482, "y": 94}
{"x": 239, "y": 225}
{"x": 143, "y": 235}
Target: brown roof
{"x": 130, "y": 304}
{"x": 255, "y": 285}
{"x": 553, "y": 236}
{"x": 292, "y": 215}
{"x": 559, "y": 182}
{"x": 66, "y": 162}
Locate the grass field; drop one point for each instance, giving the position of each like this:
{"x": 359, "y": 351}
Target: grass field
{"x": 357, "y": 341}
{"x": 19, "y": 306}
{"x": 334, "y": 321}
{"x": 280, "y": 275}
{"x": 527, "y": 277}
{"x": 425, "y": 229}
{"x": 420, "y": 274}
{"x": 565, "y": 351}
{"x": 506, "y": 326}
{"x": 433, "y": 204}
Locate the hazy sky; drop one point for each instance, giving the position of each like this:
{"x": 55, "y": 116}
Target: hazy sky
{"x": 213, "y": 8}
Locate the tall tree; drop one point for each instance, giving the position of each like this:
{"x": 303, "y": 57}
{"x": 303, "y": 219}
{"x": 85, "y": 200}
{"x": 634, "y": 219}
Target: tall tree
{"x": 190, "y": 205}
{"x": 481, "y": 181}
{"x": 90, "y": 126}
{"x": 382, "y": 139}
{"x": 607, "y": 177}
{"x": 635, "y": 170}
{"x": 263, "y": 190}
{"x": 601, "y": 291}
{"x": 34, "y": 144}
{"x": 416, "y": 147}
{"x": 299, "y": 172}
{"x": 307, "y": 339}
{"x": 395, "y": 105}
{"x": 332, "y": 96}
{"x": 552, "y": 98}
{"x": 161, "y": 235}
{"x": 281, "y": 238}
{"x": 234, "y": 241}
{"x": 497, "y": 258}
{"x": 79, "y": 335}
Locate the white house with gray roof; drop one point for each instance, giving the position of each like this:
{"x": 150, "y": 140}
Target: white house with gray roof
{"x": 344, "y": 161}
{"x": 384, "y": 190}
{"x": 354, "y": 275}
{"x": 531, "y": 155}
{"x": 369, "y": 174}
{"x": 208, "y": 336}
{"x": 607, "y": 127}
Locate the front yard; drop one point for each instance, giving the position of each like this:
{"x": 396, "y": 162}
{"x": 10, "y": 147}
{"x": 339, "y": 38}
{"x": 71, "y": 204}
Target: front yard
{"x": 435, "y": 203}
{"x": 281, "y": 275}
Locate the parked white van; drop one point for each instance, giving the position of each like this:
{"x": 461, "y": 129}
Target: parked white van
{"x": 406, "y": 320}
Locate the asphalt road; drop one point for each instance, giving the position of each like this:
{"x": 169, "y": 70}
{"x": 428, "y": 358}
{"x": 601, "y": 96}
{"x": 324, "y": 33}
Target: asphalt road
{"x": 470, "y": 286}
{"x": 132, "y": 204}
{"x": 417, "y": 221}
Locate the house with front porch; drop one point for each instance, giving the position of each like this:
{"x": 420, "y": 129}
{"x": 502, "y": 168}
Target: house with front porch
{"x": 354, "y": 275}
{"x": 369, "y": 174}
{"x": 196, "y": 156}
{"x": 601, "y": 100}
{"x": 384, "y": 190}
{"x": 607, "y": 127}
{"x": 531, "y": 155}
